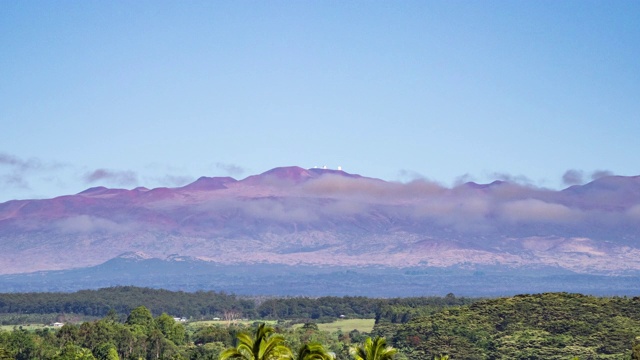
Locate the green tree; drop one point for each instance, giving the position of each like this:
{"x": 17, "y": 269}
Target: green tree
{"x": 22, "y": 345}
{"x": 215, "y": 333}
{"x": 4, "y": 354}
{"x": 140, "y": 316}
{"x": 314, "y": 351}
{"x": 131, "y": 342}
{"x": 68, "y": 333}
{"x": 112, "y": 316}
{"x": 171, "y": 329}
{"x": 209, "y": 351}
{"x": 75, "y": 352}
{"x": 92, "y": 334}
{"x": 310, "y": 326}
{"x": 106, "y": 351}
{"x": 373, "y": 349}
{"x": 635, "y": 349}
{"x": 265, "y": 345}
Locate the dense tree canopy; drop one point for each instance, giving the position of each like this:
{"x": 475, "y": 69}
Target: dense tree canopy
{"x": 17, "y": 308}
{"x": 373, "y": 349}
{"x": 543, "y": 326}
{"x": 264, "y": 345}
{"x": 123, "y": 299}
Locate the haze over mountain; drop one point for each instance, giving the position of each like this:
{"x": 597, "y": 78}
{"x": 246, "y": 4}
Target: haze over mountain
{"x": 320, "y": 217}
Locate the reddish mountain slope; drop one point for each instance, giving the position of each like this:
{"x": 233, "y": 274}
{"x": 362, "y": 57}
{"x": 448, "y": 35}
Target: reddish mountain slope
{"x": 294, "y": 216}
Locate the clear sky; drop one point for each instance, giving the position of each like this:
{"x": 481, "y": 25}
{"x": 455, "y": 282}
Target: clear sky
{"x": 159, "y": 93}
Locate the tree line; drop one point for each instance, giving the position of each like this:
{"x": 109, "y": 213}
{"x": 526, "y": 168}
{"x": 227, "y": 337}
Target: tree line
{"x": 540, "y": 326}
{"x": 142, "y": 336}
{"x": 209, "y": 304}
{"x": 123, "y": 299}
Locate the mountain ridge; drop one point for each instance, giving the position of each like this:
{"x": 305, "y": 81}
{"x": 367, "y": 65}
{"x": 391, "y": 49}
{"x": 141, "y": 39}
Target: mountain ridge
{"x": 321, "y": 217}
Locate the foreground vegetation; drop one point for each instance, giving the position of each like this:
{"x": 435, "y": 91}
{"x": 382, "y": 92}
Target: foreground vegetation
{"x": 346, "y": 325}
{"x": 22, "y": 308}
{"x": 542, "y": 326}
{"x": 142, "y": 336}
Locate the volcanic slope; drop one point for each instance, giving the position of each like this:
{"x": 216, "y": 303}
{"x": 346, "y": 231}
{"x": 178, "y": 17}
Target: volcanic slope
{"x": 318, "y": 217}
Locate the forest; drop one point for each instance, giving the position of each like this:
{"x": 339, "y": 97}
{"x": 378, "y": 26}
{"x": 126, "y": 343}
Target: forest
{"x": 539, "y": 326}
{"x": 17, "y": 308}
{"x": 140, "y": 323}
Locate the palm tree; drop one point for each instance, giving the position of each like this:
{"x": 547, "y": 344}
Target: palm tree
{"x": 265, "y": 345}
{"x": 375, "y": 349}
{"x": 314, "y": 351}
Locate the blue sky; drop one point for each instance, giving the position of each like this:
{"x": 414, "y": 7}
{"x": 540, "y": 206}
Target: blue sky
{"x": 158, "y": 93}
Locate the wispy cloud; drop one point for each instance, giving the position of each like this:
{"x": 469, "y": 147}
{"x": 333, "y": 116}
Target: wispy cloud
{"x": 89, "y": 224}
{"x": 573, "y": 177}
{"x": 517, "y": 179}
{"x": 14, "y": 180}
{"x": 17, "y": 163}
{"x": 600, "y": 174}
{"x": 10, "y": 160}
{"x": 230, "y": 169}
{"x": 410, "y": 175}
{"x": 16, "y": 170}
{"x": 462, "y": 179}
{"x": 533, "y": 210}
{"x": 336, "y": 185}
{"x": 123, "y": 178}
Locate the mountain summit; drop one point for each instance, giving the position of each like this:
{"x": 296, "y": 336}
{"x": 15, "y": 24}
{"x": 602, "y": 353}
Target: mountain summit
{"x": 320, "y": 217}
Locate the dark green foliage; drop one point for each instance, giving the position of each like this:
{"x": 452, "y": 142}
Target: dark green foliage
{"x": 210, "y": 334}
{"x": 123, "y": 299}
{"x": 316, "y": 308}
{"x": 264, "y": 344}
{"x": 396, "y": 310}
{"x": 209, "y": 351}
{"x": 141, "y": 336}
{"x": 141, "y": 316}
{"x": 635, "y": 349}
{"x": 373, "y": 349}
{"x": 313, "y": 351}
{"x": 20, "y": 308}
{"x": 4, "y": 354}
{"x": 75, "y": 352}
{"x": 106, "y": 351}
{"x": 171, "y": 329}
{"x": 402, "y": 310}
{"x": 544, "y": 326}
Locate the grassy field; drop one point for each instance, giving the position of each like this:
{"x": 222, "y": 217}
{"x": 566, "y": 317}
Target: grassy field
{"x": 199, "y": 324}
{"x": 346, "y": 325}
{"x": 29, "y": 327}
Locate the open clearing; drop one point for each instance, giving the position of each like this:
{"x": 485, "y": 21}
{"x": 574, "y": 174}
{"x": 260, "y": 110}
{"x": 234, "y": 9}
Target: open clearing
{"x": 347, "y": 325}
{"x": 30, "y": 327}
{"x": 344, "y": 325}
{"x": 200, "y": 324}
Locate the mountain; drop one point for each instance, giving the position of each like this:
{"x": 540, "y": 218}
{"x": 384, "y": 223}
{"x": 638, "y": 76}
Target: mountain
{"x": 322, "y": 218}
{"x": 189, "y": 274}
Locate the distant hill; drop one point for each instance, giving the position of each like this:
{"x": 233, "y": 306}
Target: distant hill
{"x": 319, "y": 218}
{"x": 541, "y": 326}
